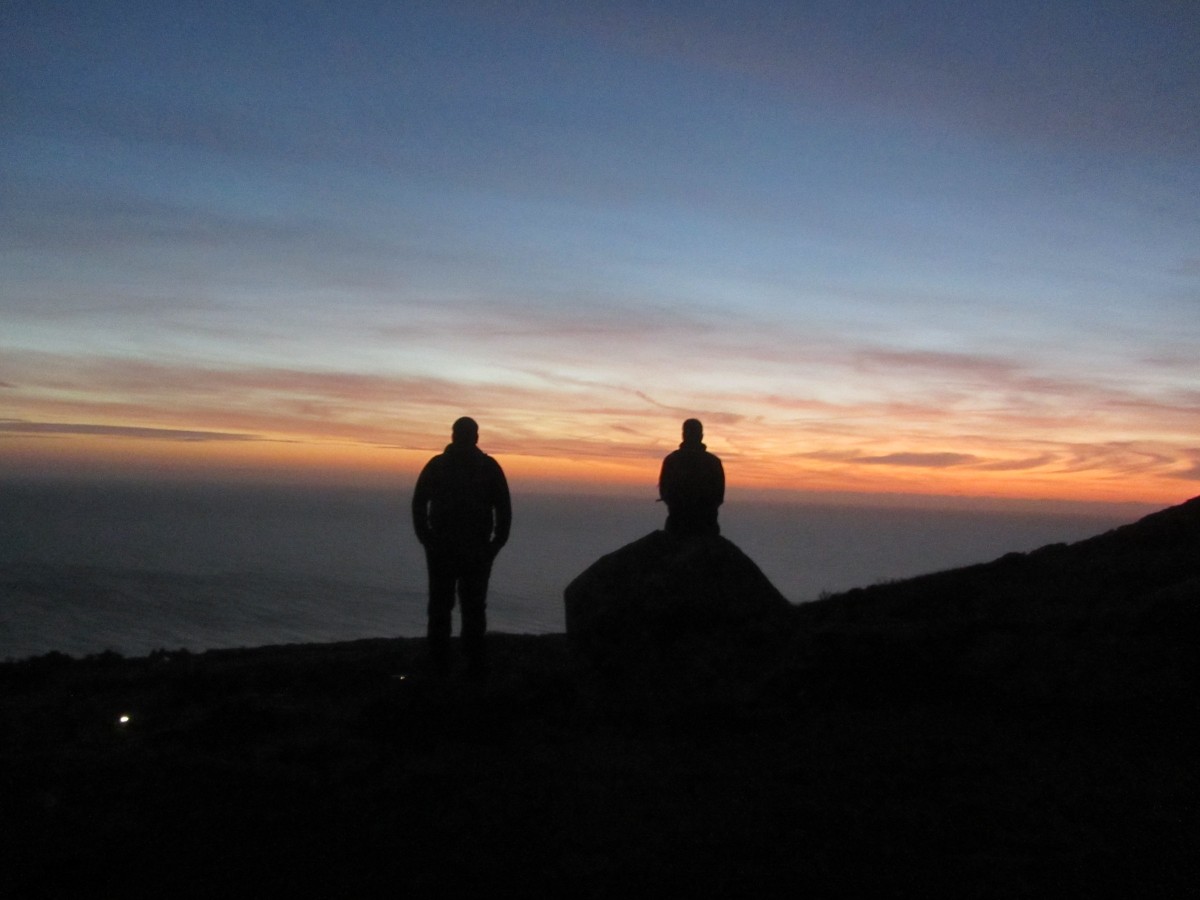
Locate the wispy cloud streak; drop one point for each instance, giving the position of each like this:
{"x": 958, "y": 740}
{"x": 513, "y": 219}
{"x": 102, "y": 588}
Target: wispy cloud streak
{"x": 120, "y": 431}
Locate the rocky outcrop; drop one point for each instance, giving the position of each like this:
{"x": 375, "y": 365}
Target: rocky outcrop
{"x": 663, "y": 587}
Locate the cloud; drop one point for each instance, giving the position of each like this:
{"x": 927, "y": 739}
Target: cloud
{"x": 11, "y": 426}
{"x": 1019, "y": 465}
{"x": 625, "y": 429}
{"x": 1126, "y": 458}
{"x": 708, "y": 417}
{"x": 938, "y": 362}
{"x": 1192, "y": 472}
{"x": 578, "y": 319}
{"x": 919, "y": 460}
{"x": 296, "y": 404}
{"x": 911, "y": 459}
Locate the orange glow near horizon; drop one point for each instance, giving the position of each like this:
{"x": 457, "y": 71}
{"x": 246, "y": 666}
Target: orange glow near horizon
{"x": 930, "y": 425}
{"x": 342, "y": 462}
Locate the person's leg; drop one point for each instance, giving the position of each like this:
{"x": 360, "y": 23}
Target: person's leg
{"x": 441, "y": 607}
{"x": 472, "y": 595}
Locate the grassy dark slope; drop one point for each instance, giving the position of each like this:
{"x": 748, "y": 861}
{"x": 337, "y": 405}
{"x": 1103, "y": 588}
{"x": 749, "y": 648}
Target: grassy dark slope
{"x": 1015, "y": 728}
{"x": 1109, "y": 621}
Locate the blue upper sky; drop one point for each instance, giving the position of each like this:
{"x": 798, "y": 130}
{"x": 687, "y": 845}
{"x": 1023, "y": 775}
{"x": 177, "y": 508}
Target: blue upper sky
{"x": 923, "y": 246}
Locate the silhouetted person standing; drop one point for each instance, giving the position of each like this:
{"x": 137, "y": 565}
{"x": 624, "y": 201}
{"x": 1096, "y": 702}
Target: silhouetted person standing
{"x": 462, "y": 514}
{"x": 692, "y": 484}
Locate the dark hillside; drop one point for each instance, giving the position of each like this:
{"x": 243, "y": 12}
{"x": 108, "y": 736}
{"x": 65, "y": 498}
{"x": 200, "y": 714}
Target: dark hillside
{"x": 1111, "y": 620}
{"x": 1019, "y": 728}
{"x": 1125, "y": 569}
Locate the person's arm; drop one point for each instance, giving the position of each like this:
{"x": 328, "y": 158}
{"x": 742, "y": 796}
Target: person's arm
{"x": 502, "y": 510}
{"x": 420, "y": 505}
{"x": 664, "y": 481}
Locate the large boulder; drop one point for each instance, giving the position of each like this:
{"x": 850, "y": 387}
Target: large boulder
{"x": 663, "y": 587}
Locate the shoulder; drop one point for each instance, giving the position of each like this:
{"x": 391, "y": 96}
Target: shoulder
{"x": 478, "y": 460}
{"x": 431, "y": 468}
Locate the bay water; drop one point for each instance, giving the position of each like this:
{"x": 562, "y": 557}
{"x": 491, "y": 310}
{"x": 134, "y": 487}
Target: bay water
{"x": 133, "y": 568}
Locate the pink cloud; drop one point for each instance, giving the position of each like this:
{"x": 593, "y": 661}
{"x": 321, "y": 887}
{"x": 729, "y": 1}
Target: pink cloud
{"x": 1019, "y": 465}
{"x": 1192, "y": 472}
{"x": 918, "y": 460}
{"x": 77, "y": 428}
{"x": 937, "y": 362}
{"x": 706, "y": 416}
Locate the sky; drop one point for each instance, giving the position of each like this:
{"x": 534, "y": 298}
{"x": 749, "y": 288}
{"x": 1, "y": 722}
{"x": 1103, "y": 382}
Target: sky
{"x": 880, "y": 249}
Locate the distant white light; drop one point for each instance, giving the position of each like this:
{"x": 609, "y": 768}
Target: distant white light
{"x": 123, "y": 720}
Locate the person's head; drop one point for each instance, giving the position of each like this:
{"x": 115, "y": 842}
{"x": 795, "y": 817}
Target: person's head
{"x": 465, "y": 431}
{"x": 693, "y": 430}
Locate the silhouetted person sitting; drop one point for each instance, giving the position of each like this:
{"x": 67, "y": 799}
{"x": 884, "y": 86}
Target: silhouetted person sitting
{"x": 692, "y": 484}
{"x": 462, "y": 514}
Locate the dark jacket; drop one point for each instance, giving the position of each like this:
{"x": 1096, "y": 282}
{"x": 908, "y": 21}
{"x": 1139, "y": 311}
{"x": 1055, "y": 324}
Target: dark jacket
{"x": 461, "y": 500}
{"x": 692, "y": 479}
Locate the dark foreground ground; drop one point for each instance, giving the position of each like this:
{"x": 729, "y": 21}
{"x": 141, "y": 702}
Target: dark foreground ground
{"x": 1024, "y": 728}
{"x": 324, "y": 768}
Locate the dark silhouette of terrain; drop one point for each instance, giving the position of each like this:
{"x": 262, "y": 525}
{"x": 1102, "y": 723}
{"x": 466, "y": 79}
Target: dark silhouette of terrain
{"x": 1018, "y": 728}
{"x": 1114, "y": 618}
{"x": 648, "y": 595}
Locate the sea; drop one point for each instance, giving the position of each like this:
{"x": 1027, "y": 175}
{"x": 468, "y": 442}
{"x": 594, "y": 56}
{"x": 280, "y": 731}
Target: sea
{"x": 133, "y": 568}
